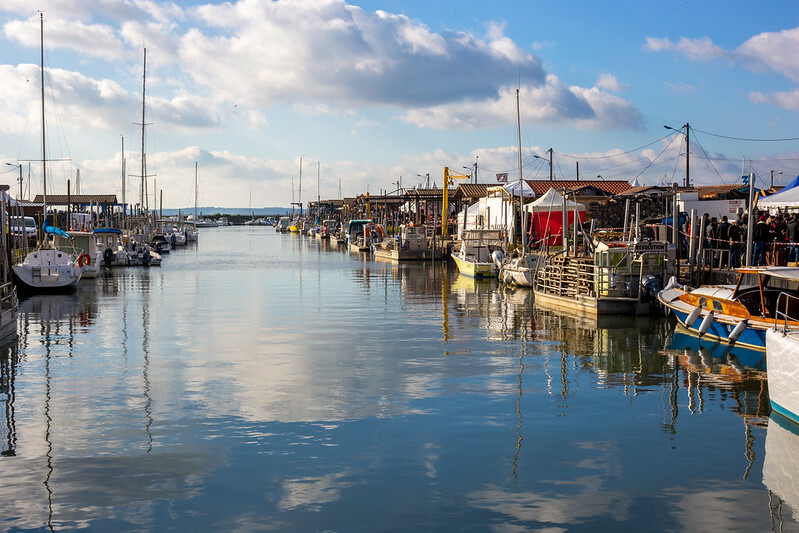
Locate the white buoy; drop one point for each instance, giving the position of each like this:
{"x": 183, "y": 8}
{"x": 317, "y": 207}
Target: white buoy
{"x": 705, "y": 325}
{"x": 691, "y": 318}
{"x": 738, "y": 329}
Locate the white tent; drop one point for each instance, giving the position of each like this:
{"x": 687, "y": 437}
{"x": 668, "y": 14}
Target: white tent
{"x": 552, "y": 200}
{"x": 785, "y": 199}
{"x": 513, "y": 189}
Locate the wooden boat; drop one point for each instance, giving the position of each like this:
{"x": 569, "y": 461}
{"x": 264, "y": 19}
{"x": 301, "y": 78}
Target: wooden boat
{"x": 474, "y": 256}
{"x": 739, "y": 313}
{"x": 782, "y": 360}
{"x": 618, "y": 278}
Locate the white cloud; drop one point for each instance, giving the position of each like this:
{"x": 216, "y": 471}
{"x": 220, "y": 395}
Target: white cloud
{"x": 774, "y": 51}
{"x": 785, "y": 99}
{"x": 610, "y": 83}
{"x": 551, "y": 103}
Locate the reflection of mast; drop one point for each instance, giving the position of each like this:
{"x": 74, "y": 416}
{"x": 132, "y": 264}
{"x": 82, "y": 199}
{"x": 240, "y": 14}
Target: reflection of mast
{"x": 148, "y": 401}
{"x": 519, "y": 417}
{"x": 7, "y": 371}
{"x": 49, "y": 421}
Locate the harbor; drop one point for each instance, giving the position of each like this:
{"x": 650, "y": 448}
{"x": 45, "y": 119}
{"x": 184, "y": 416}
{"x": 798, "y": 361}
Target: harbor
{"x": 263, "y": 377}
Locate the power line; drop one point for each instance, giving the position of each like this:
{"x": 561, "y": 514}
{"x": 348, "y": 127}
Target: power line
{"x": 744, "y": 138}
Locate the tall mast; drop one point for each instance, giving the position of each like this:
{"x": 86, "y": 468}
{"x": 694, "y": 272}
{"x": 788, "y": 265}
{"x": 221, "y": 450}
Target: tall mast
{"x": 143, "y": 156}
{"x": 195, "y": 191}
{"x": 124, "y": 204}
{"x": 522, "y": 218}
{"x": 44, "y": 150}
{"x": 299, "y": 188}
{"x": 318, "y": 197}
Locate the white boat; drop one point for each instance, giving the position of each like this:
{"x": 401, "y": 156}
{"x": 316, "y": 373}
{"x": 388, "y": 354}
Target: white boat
{"x": 48, "y": 269}
{"x": 474, "y": 256}
{"x": 109, "y": 243}
{"x": 520, "y": 270}
{"x": 782, "y": 359}
{"x": 354, "y": 231}
{"x": 89, "y": 257}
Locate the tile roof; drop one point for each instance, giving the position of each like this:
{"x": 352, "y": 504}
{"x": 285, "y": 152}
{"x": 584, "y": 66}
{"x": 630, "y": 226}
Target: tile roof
{"x": 608, "y": 186}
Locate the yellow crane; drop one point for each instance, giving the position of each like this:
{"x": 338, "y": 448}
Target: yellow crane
{"x": 448, "y": 175}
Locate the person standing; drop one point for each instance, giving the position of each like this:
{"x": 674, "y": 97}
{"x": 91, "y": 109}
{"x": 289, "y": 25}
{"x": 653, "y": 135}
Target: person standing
{"x": 760, "y": 237}
{"x": 724, "y": 242}
{"x": 792, "y": 229}
{"x": 736, "y": 244}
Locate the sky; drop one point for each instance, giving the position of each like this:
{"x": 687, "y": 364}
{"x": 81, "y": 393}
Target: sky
{"x": 264, "y": 103}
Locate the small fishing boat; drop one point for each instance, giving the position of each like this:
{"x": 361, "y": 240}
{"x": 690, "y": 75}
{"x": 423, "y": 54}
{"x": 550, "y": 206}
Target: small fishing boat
{"x": 782, "y": 360}
{"x": 354, "y": 230}
{"x": 410, "y": 245}
{"x": 89, "y": 256}
{"x": 109, "y": 242}
{"x": 739, "y": 313}
{"x": 475, "y": 256}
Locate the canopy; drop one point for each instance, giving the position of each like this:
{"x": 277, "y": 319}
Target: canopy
{"x": 56, "y": 231}
{"x": 785, "y": 198}
{"x": 552, "y": 200}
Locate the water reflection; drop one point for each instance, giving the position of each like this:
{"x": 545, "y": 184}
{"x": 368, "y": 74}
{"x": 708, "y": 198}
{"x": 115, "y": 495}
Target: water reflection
{"x": 781, "y": 468}
{"x": 9, "y": 356}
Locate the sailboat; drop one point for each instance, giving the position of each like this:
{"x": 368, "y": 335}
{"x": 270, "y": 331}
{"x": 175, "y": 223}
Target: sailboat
{"x": 47, "y": 269}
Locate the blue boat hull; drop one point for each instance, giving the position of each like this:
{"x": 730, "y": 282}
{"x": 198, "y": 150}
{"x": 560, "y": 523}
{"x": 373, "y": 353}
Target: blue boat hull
{"x": 750, "y": 338}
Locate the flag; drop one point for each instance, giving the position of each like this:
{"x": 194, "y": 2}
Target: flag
{"x": 502, "y": 177}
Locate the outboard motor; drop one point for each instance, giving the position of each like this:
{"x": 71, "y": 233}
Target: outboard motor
{"x": 650, "y": 287}
{"x": 497, "y": 256}
{"x": 108, "y": 256}
{"x": 145, "y": 259}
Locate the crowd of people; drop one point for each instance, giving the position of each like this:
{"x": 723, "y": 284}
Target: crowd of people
{"x": 775, "y": 239}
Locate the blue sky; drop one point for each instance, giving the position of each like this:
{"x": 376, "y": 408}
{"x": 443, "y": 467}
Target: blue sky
{"x": 373, "y": 93}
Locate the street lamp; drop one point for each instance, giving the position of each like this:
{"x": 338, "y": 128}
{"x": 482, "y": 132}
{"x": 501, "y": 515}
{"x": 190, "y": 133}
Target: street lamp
{"x": 428, "y": 178}
{"x": 20, "y": 177}
{"x": 550, "y": 162}
{"x": 687, "y": 134}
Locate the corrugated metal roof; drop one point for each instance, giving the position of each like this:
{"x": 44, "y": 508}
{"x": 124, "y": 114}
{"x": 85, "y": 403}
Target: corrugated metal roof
{"x": 471, "y": 190}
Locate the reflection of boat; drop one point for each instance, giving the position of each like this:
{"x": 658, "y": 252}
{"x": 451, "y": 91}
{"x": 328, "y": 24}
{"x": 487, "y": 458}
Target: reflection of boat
{"x": 474, "y": 256}
{"x": 738, "y": 313}
{"x": 781, "y": 463}
{"x": 683, "y": 341}
{"x": 9, "y": 307}
{"x": 782, "y": 354}
{"x": 618, "y": 278}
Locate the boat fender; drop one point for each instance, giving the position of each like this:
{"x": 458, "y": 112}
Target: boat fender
{"x": 691, "y": 318}
{"x": 84, "y": 259}
{"x": 497, "y": 256}
{"x": 705, "y": 325}
{"x": 738, "y": 329}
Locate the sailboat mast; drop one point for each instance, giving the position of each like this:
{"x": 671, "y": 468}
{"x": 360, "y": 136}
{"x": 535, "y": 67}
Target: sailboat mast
{"x": 124, "y": 204}
{"x": 195, "y": 191}
{"x": 44, "y": 149}
{"x": 143, "y": 156}
{"x": 318, "y": 197}
{"x": 299, "y": 188}
{"x": 522, "y": 217}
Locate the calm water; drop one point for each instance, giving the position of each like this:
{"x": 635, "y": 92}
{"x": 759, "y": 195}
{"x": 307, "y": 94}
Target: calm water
{"x": 260, "y": 381}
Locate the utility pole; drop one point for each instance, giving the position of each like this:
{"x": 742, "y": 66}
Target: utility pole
{"x": 550, "y": 164}
{"x": 687, "y": 154}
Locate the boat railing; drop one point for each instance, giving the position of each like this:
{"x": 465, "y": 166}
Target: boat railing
{"x": 8, "y": 296}
{"x": 787, "y": 311}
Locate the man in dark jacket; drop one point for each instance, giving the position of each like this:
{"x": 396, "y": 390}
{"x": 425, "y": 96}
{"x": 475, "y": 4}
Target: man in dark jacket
{"x": 792, "y": 228}
{"x": 724, "y": 241}
{"x": 760, "y": 237}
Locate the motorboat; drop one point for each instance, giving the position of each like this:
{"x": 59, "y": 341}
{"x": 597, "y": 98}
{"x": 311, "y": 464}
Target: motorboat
{"x": 474, "y": 255}
{"x": 89, "y": 257}
{"x": 109, "y": 242}
{"x": 160, "y": 244}
{"x": 739, "y": 313}
{"x": 409, "y": 245}
{"x": 354, "y": 230}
